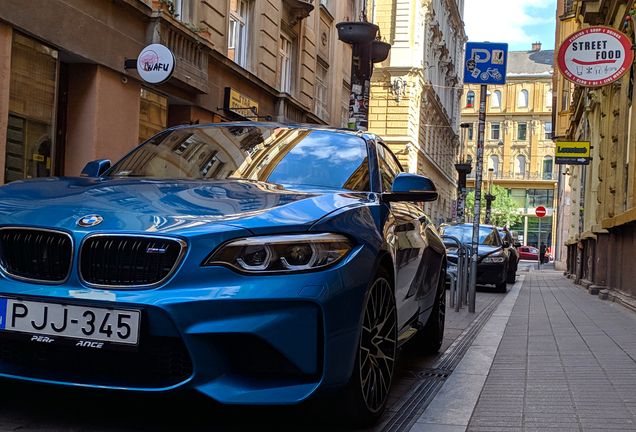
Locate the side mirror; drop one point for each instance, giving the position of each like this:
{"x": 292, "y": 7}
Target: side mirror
{"x": 506, "y": 245}
{"x": 411, "y": 187}
{"x": 95, "y": 168}
{"x": 517, "y": 245}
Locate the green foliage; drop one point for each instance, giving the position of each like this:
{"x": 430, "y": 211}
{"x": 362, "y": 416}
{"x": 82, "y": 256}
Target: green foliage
{"x": 504, "y": 212}
{"x": 170, "y": 6}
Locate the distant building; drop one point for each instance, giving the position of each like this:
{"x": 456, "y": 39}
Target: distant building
{"x": 415, "y": 93}
{"x": 66, "y": 98}
{"x": 518, "y": 142}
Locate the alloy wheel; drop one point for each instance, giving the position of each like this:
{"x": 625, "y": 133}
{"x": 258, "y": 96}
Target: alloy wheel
{"x": 378, "y": 345}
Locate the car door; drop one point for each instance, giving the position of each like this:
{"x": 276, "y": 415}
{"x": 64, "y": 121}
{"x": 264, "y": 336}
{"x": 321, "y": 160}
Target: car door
{"x": 413, "y": 271}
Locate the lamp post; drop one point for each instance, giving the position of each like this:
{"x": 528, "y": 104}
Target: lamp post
{"x": 489, "y": 197}
{"x": 463, "y": 169}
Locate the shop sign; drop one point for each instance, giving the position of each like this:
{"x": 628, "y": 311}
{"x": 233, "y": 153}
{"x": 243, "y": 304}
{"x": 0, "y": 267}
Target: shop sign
{"x": 572, "y": 153}
{"x": 155, "y": 64}
{"x": 240, "y": 104}
{"x": 595, "y": 56}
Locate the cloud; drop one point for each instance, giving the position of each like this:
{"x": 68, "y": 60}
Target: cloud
{"x": 509, "y": 21}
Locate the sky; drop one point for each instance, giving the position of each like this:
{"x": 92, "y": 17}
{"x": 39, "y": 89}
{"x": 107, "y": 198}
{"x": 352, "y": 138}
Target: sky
{"x": 520, "y": 23}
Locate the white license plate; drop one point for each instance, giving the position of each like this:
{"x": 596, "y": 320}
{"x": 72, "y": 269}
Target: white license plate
{"x": 78, "y": 322}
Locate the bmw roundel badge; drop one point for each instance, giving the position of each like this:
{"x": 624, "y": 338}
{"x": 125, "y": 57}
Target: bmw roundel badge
{"x": 90, "y": 221}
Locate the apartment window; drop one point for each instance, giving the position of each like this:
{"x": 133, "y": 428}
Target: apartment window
{"x": 493, "y": 163}
{"x": 470, "y": 133}
{"x": 540, "y": 197}
{"x": 548, "y": 99}
{"x": 523, "y": 99}
{"x": 518, "y": 197}
{"x": 496, "y": 99}
{"x": 470, "y": 99}
{"x": 565, "y": 96}
{"x": 184, "y": 10}
{"x": 548, "y": 131}
{"x": 237, "y": 35}
{"x": 522, "y": 131}
{"x": 494, "y": 131}
{"x": 520, "y": 166}
{"x": 320, "y": 102}
{"x": 547, "y": 168}
{"x": 285, "y": 63}
{"x": 328, "y": 4}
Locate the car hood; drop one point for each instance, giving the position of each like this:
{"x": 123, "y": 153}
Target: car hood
{"x": 167, "y": 206}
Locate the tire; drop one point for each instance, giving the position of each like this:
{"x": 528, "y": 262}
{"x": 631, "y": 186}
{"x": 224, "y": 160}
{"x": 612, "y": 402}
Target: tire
{"x": 501, "y": 287}
{"x": 365, "y": 396}
{"x": 432, "y": 335}
{"x": 511, "y": 277}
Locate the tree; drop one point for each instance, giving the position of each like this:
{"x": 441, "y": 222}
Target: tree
{"x": 504, "y": 212}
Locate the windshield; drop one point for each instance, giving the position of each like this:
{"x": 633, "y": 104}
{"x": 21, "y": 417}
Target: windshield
{"x": 464, "y": 233}
{"x": 323, "y": 158}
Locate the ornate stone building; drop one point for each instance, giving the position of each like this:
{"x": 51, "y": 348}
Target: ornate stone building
{"x": 518, "y": 142}
{"x": 415, "y": 93}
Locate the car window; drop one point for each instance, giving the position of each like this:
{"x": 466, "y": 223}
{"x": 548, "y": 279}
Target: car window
{"x": 464, "y": 233}
{"x": 287, "y": 156}
{"x": 389, "y": 167}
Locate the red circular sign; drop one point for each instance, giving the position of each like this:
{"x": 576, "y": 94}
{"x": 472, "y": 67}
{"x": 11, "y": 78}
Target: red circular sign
{"x": 595, "y": 56}
{"x": 540, "y": 211}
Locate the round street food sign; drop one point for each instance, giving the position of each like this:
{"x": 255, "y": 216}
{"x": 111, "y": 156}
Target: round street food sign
{"x": 595, "y": 56}
{"x": 155, "y": 64}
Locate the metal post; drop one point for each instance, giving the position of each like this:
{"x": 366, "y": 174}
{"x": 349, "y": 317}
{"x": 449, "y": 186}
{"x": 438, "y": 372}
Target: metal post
{"x": 480, "y": 156}
{"x": 539, "y": 246}
{"x": 489, "y": 197}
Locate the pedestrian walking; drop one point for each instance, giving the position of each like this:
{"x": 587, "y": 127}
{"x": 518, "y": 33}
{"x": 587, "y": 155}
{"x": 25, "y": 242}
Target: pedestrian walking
{"x": 542, "y": 253}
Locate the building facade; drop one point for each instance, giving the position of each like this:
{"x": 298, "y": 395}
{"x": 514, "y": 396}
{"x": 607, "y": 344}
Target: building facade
{"x": 601, "y": 241}
{"x": 415, "y": 93}
{"x": 66, "y": 97}
{"x": 518, "y": 142}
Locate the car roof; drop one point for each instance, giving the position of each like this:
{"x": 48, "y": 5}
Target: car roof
{"x": 273, "y": 125}
{"x": 449, "y": 224}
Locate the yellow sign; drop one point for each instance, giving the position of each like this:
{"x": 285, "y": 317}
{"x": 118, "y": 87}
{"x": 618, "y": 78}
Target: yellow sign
{"x": 577, "y": 149}
{"x": 38, "y": 157}
{"x": 240, "y": 104}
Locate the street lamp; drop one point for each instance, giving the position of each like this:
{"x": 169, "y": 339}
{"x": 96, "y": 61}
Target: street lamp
{"x": 489, "y": 197}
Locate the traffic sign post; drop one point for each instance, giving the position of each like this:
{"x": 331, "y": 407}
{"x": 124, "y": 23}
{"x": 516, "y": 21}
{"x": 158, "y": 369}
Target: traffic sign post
{"x": 485, "y": 64}
{"x": 540, "y": 212}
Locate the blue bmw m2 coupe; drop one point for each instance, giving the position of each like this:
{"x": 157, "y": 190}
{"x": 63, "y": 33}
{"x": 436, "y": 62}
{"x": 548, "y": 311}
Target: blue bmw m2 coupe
{"x": 255, "y": 263}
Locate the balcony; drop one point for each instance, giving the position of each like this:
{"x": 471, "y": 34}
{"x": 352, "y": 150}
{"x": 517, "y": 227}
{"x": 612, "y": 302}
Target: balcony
{"x": 289, "y": 110}
{"x": 189, "y": 46}
{"x": 510, "y": 175}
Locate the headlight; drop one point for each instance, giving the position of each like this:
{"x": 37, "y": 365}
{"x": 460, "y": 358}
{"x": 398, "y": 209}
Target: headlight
{"x": 492, "y": 259}
{"x": 282, "y": 253}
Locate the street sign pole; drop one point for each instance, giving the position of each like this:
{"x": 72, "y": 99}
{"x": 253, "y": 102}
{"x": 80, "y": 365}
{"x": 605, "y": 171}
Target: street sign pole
{"x": 478, "y": 172}
{"x": 485, "y": 63}
{"x": 539, "y": 246}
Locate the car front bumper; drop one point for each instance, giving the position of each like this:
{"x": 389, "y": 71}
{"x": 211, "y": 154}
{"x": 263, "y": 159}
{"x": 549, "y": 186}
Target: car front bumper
{"x": 238, "y": 339}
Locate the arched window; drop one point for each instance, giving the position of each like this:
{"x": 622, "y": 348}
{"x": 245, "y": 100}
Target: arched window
{"x": 523, "y": 99}
{"x": 520, "y": 166}
{"x": 548, "y": 99}
{"x": 470, "y": 99}
{"x": 547, "y": 168}
{"x": 495, "y": 101}
{"x": 493, "y": 162}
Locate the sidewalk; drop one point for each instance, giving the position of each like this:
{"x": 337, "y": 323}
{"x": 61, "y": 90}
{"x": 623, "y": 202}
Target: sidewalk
{"x": 551, "y": 358}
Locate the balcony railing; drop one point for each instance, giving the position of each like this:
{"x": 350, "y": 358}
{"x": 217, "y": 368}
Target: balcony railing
{"x": 510, "y": 175}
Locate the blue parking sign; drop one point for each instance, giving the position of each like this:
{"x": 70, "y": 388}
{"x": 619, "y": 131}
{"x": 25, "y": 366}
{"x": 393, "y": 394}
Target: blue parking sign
{"x": 485, "y": 63}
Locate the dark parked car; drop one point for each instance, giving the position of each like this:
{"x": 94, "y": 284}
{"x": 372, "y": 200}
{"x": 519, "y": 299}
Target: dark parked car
{"x": 254, "y": 263}
{"x": 513, "y": 253}
{"x": 492, "y": 258}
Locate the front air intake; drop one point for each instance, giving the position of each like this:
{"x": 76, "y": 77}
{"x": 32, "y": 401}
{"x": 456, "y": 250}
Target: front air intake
{"x": 36, "y": 255}
{"x": 129, "y": 261}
